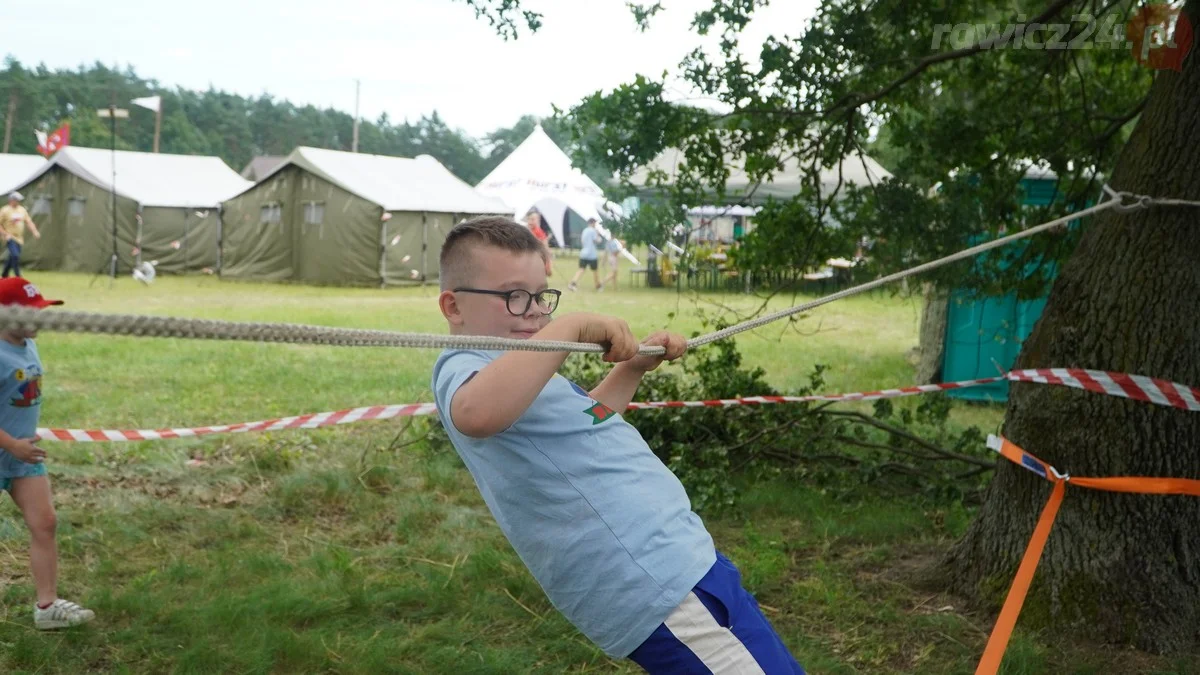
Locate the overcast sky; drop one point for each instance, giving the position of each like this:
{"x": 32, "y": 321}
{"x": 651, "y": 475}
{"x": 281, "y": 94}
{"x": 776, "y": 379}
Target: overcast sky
{"x": 412, "y": 56}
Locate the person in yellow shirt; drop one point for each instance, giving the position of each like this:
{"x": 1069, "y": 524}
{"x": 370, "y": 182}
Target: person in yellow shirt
{"x": 13, "y": 219}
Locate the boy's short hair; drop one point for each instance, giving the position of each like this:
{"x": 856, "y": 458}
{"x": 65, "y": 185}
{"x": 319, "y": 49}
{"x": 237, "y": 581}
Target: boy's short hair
{"x": 503, "y": 233}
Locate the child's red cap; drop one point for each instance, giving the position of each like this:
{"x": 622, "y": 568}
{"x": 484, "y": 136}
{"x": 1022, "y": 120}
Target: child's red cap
{"x": 18, "y": 291}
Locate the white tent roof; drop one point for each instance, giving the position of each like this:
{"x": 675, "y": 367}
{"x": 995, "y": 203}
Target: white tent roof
{"x": 539, "y": 174}
{"x": 151, "y": 179}
{"x": 14, "y": 169}
{"x": 856, "y": 169}
{"x": 394, "y": 183}
{"x": 710, "y": 211}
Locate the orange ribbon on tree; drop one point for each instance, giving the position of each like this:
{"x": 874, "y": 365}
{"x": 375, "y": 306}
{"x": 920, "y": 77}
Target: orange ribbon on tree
{"x": 998, "y": 642}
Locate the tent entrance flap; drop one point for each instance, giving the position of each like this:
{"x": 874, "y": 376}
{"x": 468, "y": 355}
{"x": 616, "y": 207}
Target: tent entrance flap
{"x": 402, "y": 252}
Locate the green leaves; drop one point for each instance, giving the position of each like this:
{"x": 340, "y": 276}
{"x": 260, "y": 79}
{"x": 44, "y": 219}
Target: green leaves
{"x": 643, "y": 13}
{"x": 506, "y": 16}
{"x": 238, "y": 128}
{"x": 968, "y": 123}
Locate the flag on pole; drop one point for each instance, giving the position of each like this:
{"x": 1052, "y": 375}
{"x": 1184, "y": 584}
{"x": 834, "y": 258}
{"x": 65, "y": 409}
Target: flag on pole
{"x": 150, "y": 102}
{"x": 48, "y": 144}
{"x": 153, "y": 103}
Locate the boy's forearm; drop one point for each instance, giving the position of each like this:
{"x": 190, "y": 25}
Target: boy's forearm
{"x": 6, "y": 440}
{"x": 616, "y": 390}
{"x": 502, "y": 391}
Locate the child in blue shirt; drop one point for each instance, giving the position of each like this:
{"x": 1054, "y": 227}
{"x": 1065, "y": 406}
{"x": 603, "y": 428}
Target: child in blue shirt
{"x": 604, "y": 527}
{"x": 22, "y": 471}
{"x": 588, "y": 255}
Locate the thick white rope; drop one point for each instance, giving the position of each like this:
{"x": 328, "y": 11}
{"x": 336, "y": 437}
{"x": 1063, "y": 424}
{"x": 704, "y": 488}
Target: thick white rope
{"x": 12, "y": 316}
{"x": 881, "y": 281}
{"x": 166, "y": 326}
{"x": 1144, "y": 201}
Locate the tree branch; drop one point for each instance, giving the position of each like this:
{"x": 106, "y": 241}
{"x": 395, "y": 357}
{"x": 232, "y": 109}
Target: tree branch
{"x": 753, "y": 439}
{"x": 909, "y": 436}
{"x": 972, "y": 473}
{"x": 1120, "y": 122}
{"x": 501, "y": 15}
{"x": 947, "y": 457}
{"x": 789, "y": 457}
{"x": 853, "y": 101}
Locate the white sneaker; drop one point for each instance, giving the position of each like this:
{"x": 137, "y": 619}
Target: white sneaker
{"x": 61, "y": 614}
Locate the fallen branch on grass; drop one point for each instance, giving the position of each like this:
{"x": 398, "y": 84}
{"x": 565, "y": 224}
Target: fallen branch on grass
{"x": 913, "y": 438}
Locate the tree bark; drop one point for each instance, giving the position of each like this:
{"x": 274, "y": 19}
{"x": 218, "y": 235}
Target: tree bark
{"x": 1118, "y": 568}
{"x": 931, "y": 343}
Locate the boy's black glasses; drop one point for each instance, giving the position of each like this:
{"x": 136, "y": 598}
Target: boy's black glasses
{"x": 518, "y": 301}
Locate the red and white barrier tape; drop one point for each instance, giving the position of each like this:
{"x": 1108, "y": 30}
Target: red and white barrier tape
{"x": 310, "y": 421}
{"x": 1137, "y": 387}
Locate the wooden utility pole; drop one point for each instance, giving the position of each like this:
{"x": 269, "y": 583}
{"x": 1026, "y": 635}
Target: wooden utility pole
{"x": 8, "y": 119}
{"x": 157, "y": 124}
{"x": 354, "y": 140}
{"x": 153, "y": 103}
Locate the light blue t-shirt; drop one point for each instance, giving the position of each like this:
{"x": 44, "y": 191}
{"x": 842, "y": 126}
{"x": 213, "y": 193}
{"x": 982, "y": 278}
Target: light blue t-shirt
{"x": 613, "y": 246}
{"x": 587, "y": 244}
{"x": 606, "y": 529}
{"x": 20, "y": 389}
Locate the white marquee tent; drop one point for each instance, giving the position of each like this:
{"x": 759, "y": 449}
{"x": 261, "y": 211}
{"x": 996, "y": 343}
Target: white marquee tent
{"x": 856, "y": 169}
{"x": 538, "y": 175}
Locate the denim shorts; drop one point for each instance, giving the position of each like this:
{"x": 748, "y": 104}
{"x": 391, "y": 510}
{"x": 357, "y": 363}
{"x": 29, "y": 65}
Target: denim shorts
{"x": 11, "y": 467}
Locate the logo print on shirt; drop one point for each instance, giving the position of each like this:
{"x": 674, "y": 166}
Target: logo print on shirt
{"x": 31, "y": 393}
{"x": 598, "y": 411}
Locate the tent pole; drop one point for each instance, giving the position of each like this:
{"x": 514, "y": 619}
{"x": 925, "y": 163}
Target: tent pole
{"x": 112, "y": 119}
{"x": 138, "y": 241}
{"x": 186, "y": 219}
{"x": 424, "y": 245}
{"x": 383, "y": 249}
{"x": 220, "y": 237}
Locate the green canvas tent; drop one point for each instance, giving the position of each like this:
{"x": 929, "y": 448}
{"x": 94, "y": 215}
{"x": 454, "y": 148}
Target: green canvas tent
{"x": 167, "y": 210}
{"x": 260, "y": 167}
{"x": 340, "y": 218}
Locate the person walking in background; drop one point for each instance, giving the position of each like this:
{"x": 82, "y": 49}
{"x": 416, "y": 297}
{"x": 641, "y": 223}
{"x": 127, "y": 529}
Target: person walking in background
{"x": 13, "y": 219}
{"x": 613, "y": 247}
{"x": 588, "y": 255}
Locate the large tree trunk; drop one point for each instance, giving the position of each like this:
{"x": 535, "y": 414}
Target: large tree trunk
{"x": 931, "y": 340}
{"x": 1119, "y": 568}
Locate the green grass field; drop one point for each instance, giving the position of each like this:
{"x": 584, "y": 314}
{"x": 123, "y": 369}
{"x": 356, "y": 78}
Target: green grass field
{"x": 356, "y": 550}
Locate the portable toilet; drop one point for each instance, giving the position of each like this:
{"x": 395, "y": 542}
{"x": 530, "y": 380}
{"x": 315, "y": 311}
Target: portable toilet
{"x": 984, "y": 334}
